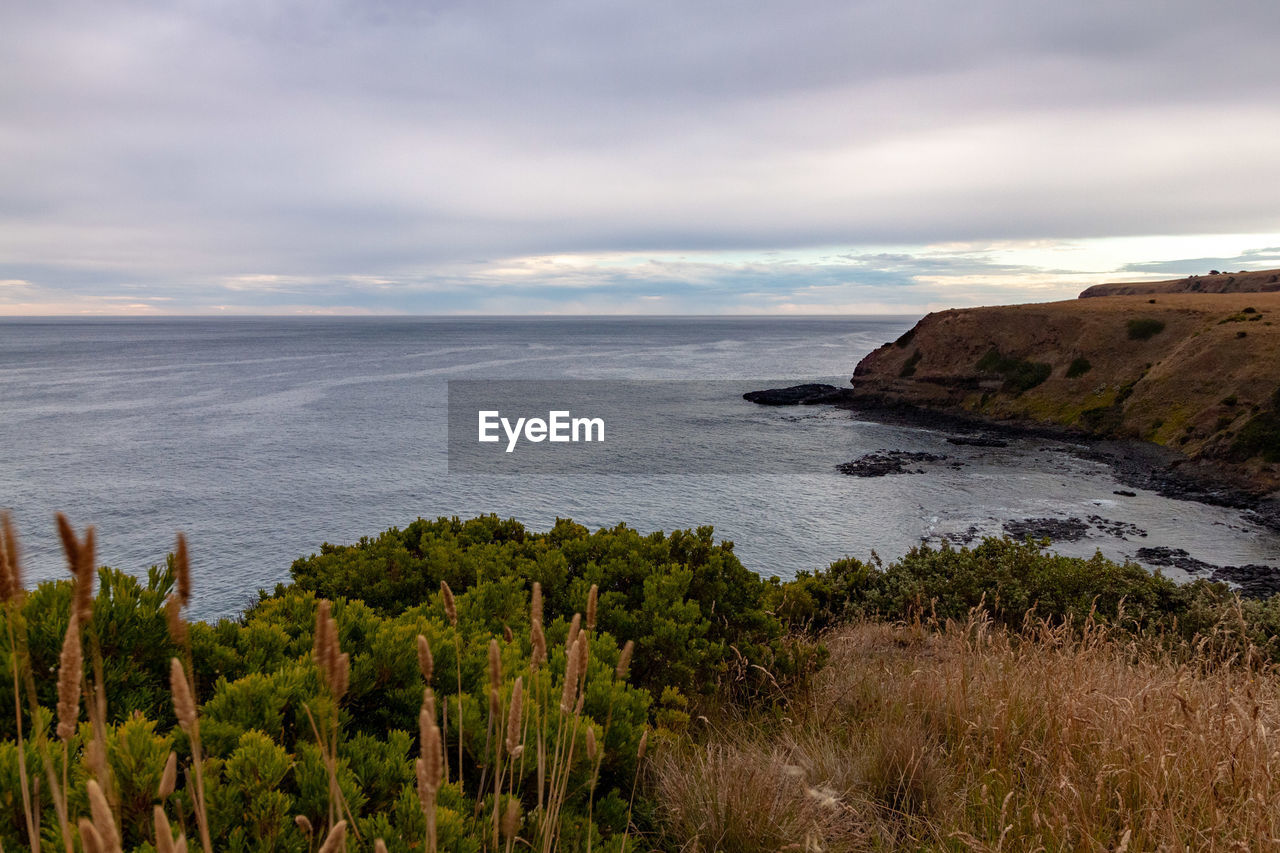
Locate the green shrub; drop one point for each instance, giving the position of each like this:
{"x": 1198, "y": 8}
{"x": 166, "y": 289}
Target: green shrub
{"x": 1145, "y": 328}
{"x": 1009, "y": 579}
{"x": 1260, "y": 436}
{"x": 909, "y": 366}
{"x": 1079, "y": 367}
{"x": 1019, "y": 374}
{"x": 681, "y": 597}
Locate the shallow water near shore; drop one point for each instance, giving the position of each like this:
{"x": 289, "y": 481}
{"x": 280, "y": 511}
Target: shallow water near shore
{"x": 263, "y": 438}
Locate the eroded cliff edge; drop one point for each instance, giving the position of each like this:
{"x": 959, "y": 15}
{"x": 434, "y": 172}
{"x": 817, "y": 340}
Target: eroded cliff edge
{"x": 1196, "y": 373}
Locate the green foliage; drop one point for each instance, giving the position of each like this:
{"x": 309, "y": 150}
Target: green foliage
{"x": 909, "y": 366}
{"x": 129, "y": 625}
{"x": 1260, "y": 436}
{"x": 1144, "y": 328}
{"x": 1010, "y": 579}
{"x": 1079, "y": 367}
{"x": 1019, "y": 374}
{"x": 706, "y": 630}
{"x": 681, "y": 597}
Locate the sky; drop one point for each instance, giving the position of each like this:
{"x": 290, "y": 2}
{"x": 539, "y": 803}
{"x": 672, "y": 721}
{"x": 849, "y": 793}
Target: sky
{"x": 592, "y": 156}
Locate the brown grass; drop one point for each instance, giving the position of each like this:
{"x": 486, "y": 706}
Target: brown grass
{"x": 972, "y": 737}
{"x": 1168, "y": 389}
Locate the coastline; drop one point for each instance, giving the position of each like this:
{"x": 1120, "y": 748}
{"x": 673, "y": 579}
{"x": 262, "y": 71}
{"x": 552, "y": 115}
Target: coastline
{"x": 1135, "y": 463}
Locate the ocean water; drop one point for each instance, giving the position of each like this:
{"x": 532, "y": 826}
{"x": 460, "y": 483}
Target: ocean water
{"x": 263, "y": 438}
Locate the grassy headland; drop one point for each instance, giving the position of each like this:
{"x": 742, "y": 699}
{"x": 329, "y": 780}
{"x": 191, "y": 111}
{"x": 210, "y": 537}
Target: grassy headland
{"x": 1197, "y": 373}
{"x": 475, "y": 685}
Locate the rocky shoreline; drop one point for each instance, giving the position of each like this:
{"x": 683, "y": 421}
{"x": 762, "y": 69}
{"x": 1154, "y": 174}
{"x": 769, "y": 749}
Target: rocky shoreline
{"x": 1134, "y": 463}
{"x": 1138, "y": 464}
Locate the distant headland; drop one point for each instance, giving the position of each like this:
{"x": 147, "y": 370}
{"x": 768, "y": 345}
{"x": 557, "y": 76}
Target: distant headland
{"x": 1190, "y": 365}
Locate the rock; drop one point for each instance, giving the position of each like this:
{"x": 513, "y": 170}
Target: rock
{"x": 1176, "y": 557}
{"x": 1118, "y": 529}
{"x": 1125, "y": 493}
{"x": 806, "y": 395}
{"x": 964, "y": 537}
{"x": 1252, "y": 579}
{"x": 1056, "y": 529}
{"x": 887, "y": 462}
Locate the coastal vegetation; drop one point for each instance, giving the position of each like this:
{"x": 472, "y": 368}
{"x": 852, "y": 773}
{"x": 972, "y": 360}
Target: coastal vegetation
{"x": 473, "y": 685}
{"x": 1144, "y": 328}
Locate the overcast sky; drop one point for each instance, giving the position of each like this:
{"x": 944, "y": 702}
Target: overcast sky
{"x": 254, "y": 156}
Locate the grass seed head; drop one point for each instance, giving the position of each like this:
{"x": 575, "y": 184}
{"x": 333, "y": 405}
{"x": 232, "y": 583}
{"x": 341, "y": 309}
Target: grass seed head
{"x": 624, "y": 660}
{"x": 173, "y": 618}
{"x": 539, "y": 641}
{"x": 103, "y": 820}
{"x": 341, "y": 675}
{"x": 514, "y": 714}
{"x": 169, "y": 778}
{"x": 535, "y": 605}
{"x": 337, "y": 839}
{"x": 574, "y": 627}
{"x": 164, "y": 833}
{"x": 182, "y": 565}
{"x": 426, "y": 663}
{"x": 70, "y": 544}
{"x": 70, "y": 667}
{"x": 495, "y": 665}
{"x": 450, "y": 606}
{"x": 569, "y": 694}
{"x": 433, "y": 762}
{"x": 592, "y": 599}
{"x": 511, "y": 819}
{"x": 584, "y": 655}
{"x": 89, "y": 837}
{"x": 184, "y": 706}
{"x": 10, "y": 569}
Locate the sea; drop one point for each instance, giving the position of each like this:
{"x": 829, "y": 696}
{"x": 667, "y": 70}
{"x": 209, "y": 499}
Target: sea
{"x": 262, "y": 438}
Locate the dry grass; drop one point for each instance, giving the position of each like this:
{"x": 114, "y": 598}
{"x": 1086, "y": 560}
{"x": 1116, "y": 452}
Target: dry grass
{"x": 1169, "y": 389}
{"x": 971, "y": 737}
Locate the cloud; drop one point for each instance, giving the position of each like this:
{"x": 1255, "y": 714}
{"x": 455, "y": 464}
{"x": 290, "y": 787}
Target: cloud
{"x": 1253, "y": 259}
{"x": 309, "y": 148}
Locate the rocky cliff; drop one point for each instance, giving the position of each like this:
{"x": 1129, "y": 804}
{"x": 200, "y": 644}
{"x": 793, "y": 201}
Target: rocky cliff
{"x": 1197, "y": 373}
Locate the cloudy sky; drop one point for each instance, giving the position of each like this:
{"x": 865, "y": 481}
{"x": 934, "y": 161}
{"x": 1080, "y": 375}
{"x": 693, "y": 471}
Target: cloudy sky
{"x": 590, "y": 156}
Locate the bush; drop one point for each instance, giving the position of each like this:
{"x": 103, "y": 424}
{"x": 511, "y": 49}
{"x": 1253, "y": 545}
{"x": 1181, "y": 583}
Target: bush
{"x": 1079, "y": 367}
{"x": 1019, "y": 374}
{"x": 909, "y": 366}
{"x": 1008, "y": 579}
{"x": 1259, "y": 437}
{"x": 681, "y": 597}
{"x": 1145, "y": 328}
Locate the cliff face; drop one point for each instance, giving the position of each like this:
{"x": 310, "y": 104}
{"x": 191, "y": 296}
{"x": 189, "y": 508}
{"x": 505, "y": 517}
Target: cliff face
{"x": 1258, "y": 281}
{"x": 1197, "y": 373}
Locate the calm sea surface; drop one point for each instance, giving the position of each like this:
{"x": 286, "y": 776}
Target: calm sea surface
{"x": 263, "y": 438}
